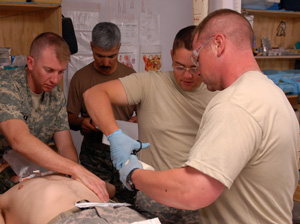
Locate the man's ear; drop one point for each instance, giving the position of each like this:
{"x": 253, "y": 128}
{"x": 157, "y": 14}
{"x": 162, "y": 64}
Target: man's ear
{"x": 30, "y": 62}
{"x": 220, "y": 44}
{"x": 171, "y": 52}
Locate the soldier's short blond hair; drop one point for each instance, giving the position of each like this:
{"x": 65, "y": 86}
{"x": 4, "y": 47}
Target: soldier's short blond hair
{"x": 50, "y": 39}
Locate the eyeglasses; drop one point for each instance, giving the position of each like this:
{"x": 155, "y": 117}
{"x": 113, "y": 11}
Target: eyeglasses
{"x": 195, "y": 54}
{"x": 181, "y": 69}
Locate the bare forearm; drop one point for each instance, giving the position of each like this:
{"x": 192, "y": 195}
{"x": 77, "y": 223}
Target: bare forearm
{"x": 65, "y": 146}
{"x": 22, "y": 141}
{"x": 100, "y": 110}
{"x": 162, "y": 186}
{"x": 39, "y": 153}
{"x": 70, "y": 153}
{"x": 182, "y": 188}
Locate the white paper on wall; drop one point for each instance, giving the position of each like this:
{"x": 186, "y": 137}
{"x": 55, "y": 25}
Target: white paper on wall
{"x": 83, "y": 41}
{"x": 84, "y": 16}
{"x": 200, "y": 10}
{"x": 122, "y": 10}
{"x": 150, "y": 58}
{"x": 149, "y": 32}
{"x": 77, "y": 61}
{"x": 129, "y": 31}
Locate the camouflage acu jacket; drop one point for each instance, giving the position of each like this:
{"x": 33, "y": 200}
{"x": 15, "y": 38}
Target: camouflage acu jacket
{"x": 16, "y": 103}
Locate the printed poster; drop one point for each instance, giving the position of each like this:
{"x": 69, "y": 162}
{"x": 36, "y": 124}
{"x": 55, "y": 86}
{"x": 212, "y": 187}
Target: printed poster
{"x": 128, "y": 56}
{"x": 150, "y": 58}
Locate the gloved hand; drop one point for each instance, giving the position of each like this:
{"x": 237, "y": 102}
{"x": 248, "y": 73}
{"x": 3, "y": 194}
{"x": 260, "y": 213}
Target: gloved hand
{"x": 121, "y": 147}
{"x": 132, "y": 164}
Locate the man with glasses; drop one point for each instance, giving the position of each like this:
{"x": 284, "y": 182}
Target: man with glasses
{"x": 95, "y": 156}
{"x": 243, "y": 167}
{"x": 170, "y": 107}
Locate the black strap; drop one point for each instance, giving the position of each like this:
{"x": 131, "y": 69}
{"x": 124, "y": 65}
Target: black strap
{"x": 135, "y": 151}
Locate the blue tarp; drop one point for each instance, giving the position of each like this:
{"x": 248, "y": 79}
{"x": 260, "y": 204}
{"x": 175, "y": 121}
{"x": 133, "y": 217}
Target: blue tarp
{"x": 288, "y": 80}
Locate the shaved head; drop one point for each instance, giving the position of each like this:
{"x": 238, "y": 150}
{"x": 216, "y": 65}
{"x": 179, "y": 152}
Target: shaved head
{"x": 232, "y": 24}
{"x": 49, "y": 39}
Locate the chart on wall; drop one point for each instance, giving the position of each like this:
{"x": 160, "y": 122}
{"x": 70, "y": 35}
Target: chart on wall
{"x": 128, "y": 56}
{"x": 140, "y": 29}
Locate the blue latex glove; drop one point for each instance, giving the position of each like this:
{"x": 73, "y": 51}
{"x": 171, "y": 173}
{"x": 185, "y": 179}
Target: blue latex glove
{"x": 121, "y": 147}
{"x": 132, "y": 164}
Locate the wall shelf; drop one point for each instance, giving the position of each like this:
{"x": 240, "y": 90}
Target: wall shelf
{"x": 27, "y": 5}
{"x": 273, "y": 13}
{"x": 265, "y": 24}
{"x": 22, "y": 22}
{"x": 278, "y": 57}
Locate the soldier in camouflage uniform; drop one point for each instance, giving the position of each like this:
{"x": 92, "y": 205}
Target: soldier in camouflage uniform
{"x": 94, "y": 155}
{"x": 33, "y": 111}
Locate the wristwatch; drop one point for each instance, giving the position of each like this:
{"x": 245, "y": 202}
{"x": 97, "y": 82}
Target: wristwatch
{"x": 129, "y": 181}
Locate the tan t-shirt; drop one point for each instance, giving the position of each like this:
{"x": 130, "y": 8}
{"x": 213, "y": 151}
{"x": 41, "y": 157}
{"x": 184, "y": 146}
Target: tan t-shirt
{"x": 168, "y": 117}
{"x": 248, "y": 140}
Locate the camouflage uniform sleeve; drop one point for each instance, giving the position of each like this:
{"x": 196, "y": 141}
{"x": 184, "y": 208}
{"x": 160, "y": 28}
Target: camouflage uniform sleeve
{"x": 11, "y": 97}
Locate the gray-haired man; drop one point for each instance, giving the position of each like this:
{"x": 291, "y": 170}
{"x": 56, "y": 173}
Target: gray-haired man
{"x": 95, "y": 156}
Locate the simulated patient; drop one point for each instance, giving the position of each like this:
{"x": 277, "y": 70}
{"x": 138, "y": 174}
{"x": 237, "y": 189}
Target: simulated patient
{"x": 41, "y": 200}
